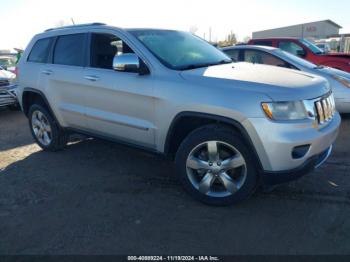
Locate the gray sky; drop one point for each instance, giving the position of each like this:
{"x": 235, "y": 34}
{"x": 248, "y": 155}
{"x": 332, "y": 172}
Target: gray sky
{"x": 21, "y": 19}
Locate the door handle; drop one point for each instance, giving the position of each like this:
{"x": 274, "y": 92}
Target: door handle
{"x": 92, "y": 78}
{"x": 47, "y": 72}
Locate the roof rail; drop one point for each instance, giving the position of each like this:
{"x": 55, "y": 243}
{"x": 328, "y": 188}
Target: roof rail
{"x": 74, "y": 26}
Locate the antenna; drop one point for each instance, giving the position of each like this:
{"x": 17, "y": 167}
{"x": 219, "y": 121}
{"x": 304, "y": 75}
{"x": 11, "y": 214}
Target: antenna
{"x": 72, "y": 21}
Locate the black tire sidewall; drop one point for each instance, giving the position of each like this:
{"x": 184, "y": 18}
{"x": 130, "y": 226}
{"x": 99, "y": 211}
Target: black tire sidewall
{"x": 56, "y": 142}
{"x": 223, "y": 134}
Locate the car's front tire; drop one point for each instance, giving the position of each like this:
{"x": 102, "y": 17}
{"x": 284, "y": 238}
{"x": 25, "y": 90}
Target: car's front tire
{"x": 216, "y": 167}
{"x": 45, "y": 130}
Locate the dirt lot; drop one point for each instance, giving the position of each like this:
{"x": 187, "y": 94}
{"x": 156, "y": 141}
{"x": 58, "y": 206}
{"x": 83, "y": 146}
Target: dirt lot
{"x": 97, "y": 197}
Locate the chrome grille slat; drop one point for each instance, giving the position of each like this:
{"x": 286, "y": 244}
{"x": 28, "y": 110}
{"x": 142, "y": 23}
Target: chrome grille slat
{"x": 325, "y": 109}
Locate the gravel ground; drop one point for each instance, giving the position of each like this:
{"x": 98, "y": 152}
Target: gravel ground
{"x": 96, "y": 197}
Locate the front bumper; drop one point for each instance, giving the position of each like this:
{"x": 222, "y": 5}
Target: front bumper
{"x": 274, "y": 178}
{"x": 8, "y": 96}
{"x": 275, "y": 142}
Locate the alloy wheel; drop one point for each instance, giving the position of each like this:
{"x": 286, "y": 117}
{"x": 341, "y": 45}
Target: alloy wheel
{"x": 216, "y": 169}
{"x": 41, "y": 128}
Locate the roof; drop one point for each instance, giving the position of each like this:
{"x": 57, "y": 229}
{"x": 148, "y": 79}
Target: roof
{"x": 74, "y": 26}
{"x": 327, "y": 21}
{"x": 332, "y": 23}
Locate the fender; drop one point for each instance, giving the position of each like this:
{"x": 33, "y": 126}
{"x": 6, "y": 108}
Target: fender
{"x": 214, "y": 118}
{"x": 41, "y": 94}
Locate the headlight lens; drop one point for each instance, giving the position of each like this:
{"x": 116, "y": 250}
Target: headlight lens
{"x": 342, "y": 80}
{"x": 282, "y": 111}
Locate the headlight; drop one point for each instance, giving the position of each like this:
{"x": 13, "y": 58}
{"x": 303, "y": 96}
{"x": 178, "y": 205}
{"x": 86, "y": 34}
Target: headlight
{"x": 342, "y": 80}
{"x": 281, "y": 111}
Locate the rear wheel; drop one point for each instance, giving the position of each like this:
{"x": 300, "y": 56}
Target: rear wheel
{"x": 46, "y": 132}
{"x": 215, "y": 166}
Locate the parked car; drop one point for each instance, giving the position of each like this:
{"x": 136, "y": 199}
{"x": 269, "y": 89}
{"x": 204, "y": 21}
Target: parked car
{"x": 229, "y": 126}
{"x": 307, "y": 50}
{"x": 324, "y": 47}
{"x": 8, "y": 63}
{"x": 339, "y": 80}
{"x": 7, "y": 89}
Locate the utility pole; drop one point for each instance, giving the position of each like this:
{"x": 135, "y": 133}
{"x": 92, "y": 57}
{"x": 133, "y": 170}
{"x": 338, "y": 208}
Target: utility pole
{"x": 210, "y": 34}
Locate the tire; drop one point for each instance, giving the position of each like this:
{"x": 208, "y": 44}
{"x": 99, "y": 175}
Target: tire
{"x": 57, "y": 137}
{"x": 241, "y": 181}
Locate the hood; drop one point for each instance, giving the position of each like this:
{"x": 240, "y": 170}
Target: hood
{"x": 6, "y": 75}
{"x": 278, "y": 83}
{"x": 334, "y": 71}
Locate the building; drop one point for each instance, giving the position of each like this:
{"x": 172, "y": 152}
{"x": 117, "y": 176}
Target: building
{"x": 314, "y": 30}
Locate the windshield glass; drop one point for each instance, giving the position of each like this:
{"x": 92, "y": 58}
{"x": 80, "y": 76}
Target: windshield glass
{"x": 295, "y": 59}
{"x": 180, "y": 50}
{"x": 314, "y": 49}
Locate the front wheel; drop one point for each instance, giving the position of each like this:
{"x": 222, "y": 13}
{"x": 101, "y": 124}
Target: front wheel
{"x": 46, "y": 132}
{"x": 216, "y": 167}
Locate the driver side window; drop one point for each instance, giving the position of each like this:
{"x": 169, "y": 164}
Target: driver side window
{"x": 104, "y": 47}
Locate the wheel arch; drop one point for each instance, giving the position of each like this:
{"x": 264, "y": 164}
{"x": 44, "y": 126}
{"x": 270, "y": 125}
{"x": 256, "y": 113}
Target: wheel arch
{"x": 31, "y": 96}
{"x": 185, "y": 122}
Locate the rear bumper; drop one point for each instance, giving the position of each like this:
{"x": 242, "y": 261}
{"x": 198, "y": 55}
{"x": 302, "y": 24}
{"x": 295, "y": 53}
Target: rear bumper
{"x": 8, "y": 96}
{"x": 274, "y": 178}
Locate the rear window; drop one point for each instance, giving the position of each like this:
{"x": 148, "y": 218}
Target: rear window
{"x": 69, "y": 50}
{"x": 40, "y": 51}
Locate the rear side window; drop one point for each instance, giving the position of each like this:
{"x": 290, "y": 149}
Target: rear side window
{"x": 40, "y": 51}
{"x": 263, "y": 43}
{"x": 69, "y": 50}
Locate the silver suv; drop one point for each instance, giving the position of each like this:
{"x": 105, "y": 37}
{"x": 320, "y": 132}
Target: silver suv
{"x": 230, "y": 127}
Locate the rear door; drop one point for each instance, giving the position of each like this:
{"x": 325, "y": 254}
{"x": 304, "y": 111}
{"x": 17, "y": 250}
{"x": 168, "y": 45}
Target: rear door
{"x": 63, "y": 79}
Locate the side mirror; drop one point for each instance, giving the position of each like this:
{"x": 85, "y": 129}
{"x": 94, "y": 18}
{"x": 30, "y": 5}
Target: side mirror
{"x": 129, "y": 62}
{"x": 301, "y": 53}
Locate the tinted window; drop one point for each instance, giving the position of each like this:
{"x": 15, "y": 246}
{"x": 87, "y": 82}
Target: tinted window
{"x": 69, "y": 50}
{"x": 233, "y": 53}
{"x": 263, "y": 43}
{"x": 40, "y": 51}
{"x": 260, "y": 57}
{"x": 104, "y": 47}
{"x": 290, "y": 47}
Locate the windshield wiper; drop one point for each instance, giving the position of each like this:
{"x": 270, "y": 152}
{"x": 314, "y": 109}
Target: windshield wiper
{"x": 194, "y": 66}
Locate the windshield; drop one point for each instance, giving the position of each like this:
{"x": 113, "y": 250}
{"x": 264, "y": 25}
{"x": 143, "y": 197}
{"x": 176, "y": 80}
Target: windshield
{"x": 314, "y": 49}
{"x": 180, "y": 50}
{"x": 296, "y": 59}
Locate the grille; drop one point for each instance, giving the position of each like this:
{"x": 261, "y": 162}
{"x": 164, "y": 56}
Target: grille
{"x": 325, "y": 109}
{"x": 4, "y": 82}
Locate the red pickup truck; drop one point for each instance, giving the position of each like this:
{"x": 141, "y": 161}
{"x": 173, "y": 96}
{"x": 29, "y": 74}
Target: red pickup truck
{"x": 307, "y": 50}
